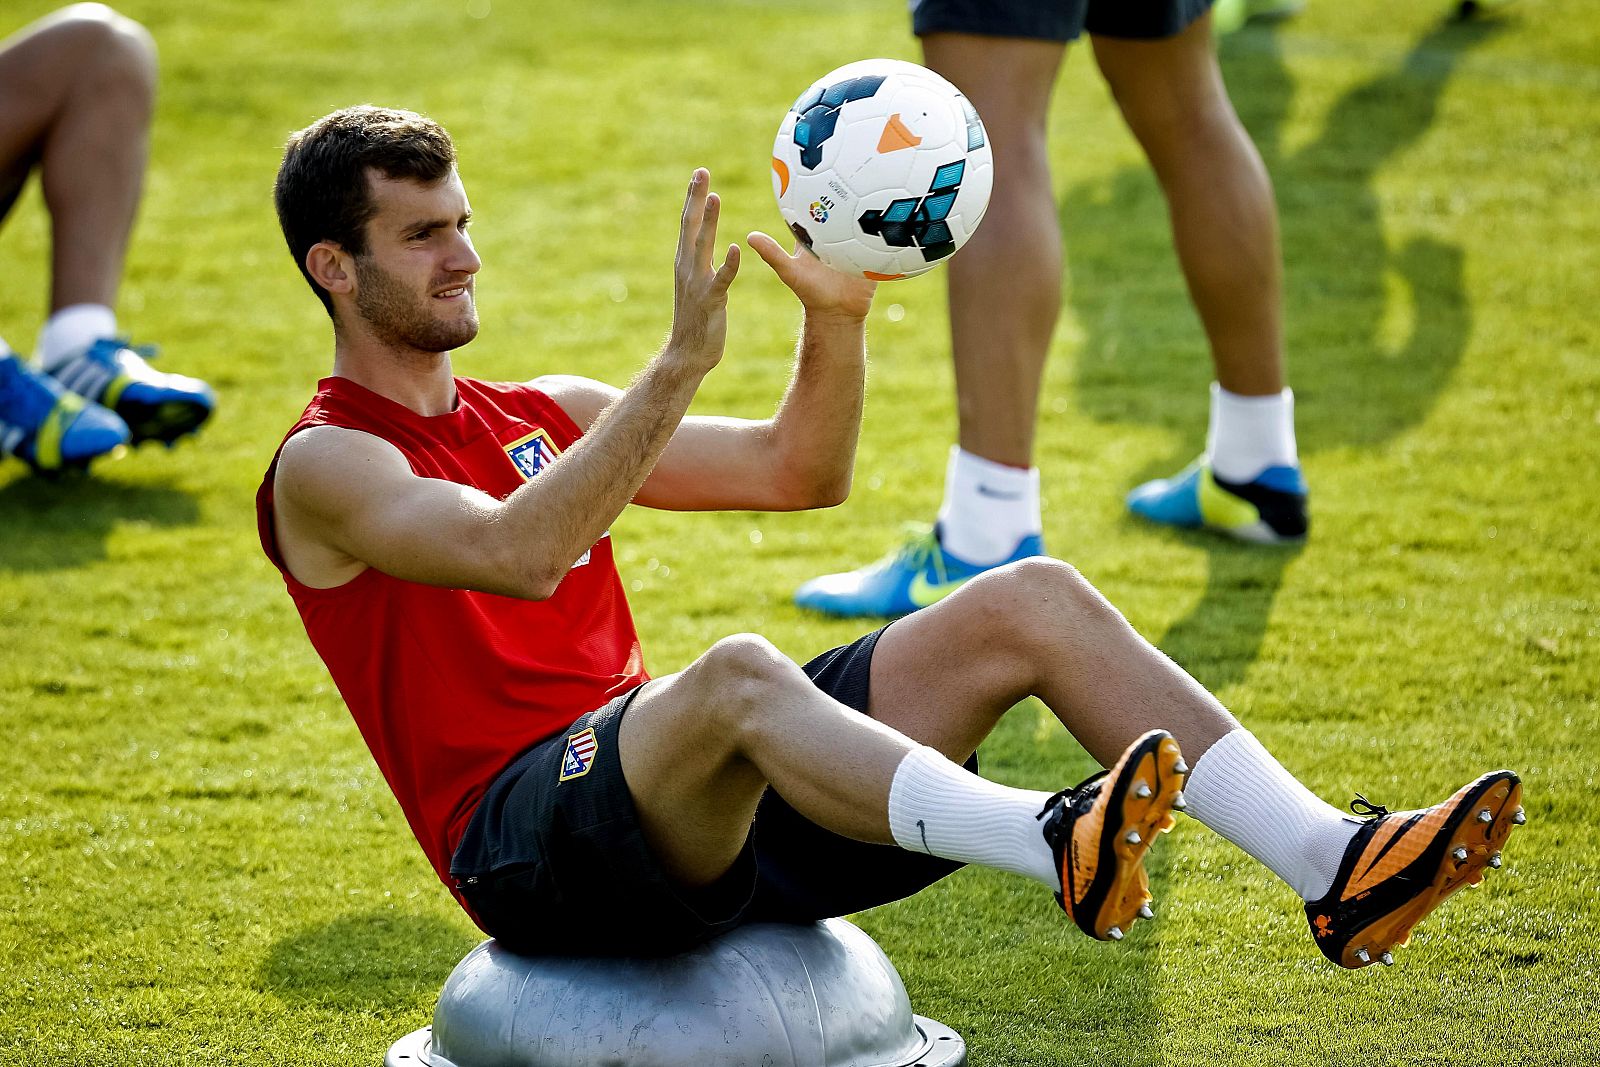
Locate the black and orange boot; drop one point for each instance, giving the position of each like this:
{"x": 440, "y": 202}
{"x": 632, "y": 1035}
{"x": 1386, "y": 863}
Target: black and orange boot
{"x": 1100, "y": 830}
{"x": 1401, "y": 866}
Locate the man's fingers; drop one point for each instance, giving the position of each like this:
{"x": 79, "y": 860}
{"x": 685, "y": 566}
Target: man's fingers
{"x": 693, "y": 209}
{"x": 772, "y": 252}
{"x": 725, "y": 273}
{"x": 706, "y": 243}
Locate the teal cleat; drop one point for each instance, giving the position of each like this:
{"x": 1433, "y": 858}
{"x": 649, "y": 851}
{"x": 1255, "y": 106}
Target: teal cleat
{"x": 156, "y": 406}
{"x": 1271, "y": 509}
{"x": 48, "y": 427}
{"x": 919, "y": 573}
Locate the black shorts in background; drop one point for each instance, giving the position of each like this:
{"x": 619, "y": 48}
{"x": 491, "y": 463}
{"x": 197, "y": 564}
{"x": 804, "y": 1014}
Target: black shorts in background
{"x": 554, "y": 860}
{"x": 1057, "y": 20}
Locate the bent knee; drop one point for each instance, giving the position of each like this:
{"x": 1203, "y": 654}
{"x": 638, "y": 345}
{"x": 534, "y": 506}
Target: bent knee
{"x": 1013, "y": 595}
{"x": 108, "y": 44}
{"x": 740, "y": 679}
{"x": 743, "y": 671}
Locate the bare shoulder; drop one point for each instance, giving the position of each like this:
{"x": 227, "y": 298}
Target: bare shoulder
{"x": 583, "y": 399}
{"x": 325, "y": 467}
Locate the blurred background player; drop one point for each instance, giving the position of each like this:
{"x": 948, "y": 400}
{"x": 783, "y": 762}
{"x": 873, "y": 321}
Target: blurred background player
{"x": 77, "y": 90}
{"x": 1005, "y": 289}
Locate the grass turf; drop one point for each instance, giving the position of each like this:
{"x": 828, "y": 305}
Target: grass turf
{"x": 199, "y": 862}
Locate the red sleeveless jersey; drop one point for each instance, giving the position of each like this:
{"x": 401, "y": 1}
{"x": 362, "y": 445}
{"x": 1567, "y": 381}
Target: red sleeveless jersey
{"x": 448, "y": 686}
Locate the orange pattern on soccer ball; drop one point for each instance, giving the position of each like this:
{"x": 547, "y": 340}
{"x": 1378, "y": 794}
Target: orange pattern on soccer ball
{"x": 896, "y": 136}
{"x": 875, "y": 276}
{"x": 782, "y": 171}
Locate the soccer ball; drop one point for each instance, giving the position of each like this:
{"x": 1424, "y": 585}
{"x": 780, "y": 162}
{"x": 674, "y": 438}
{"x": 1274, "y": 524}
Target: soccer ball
{"x": 882, "y": 168}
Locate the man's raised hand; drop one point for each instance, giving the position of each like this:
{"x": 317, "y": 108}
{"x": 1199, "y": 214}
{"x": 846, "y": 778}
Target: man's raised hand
{"x": 700, "y": 293}
{"x": 825, "y": 292}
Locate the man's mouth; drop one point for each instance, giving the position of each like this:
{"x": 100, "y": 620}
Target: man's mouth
{"x": 453, "y": 293}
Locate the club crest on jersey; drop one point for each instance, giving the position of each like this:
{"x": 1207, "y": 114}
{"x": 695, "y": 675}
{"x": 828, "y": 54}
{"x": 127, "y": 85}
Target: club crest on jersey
{"x": 531, "y": 454}
{"x": 579, "y": 758}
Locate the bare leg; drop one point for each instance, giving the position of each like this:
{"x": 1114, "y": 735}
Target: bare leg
{"x": 76, "y": 95}
{"x": 1005, "y": 286}
{"x": 698, "y": 748}
{"x": 1224, "y": 217}
{"x": 1036, "y": 628}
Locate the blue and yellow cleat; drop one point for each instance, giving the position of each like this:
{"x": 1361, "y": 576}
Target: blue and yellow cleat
{"x": 156, "y": 406}
{"x": 1271, "y": 509}
{"x": 47, "y": 426}
{"x": 920, "y": 573}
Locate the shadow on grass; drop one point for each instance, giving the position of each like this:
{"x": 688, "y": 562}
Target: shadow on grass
{"x": 57, "y": 525}
{"x": 1363, "y": 371}
{"x": 377, "y": 961}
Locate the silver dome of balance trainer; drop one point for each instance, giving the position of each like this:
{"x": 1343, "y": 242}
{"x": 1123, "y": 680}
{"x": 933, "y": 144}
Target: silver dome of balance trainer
{"x": 766, "y": 995}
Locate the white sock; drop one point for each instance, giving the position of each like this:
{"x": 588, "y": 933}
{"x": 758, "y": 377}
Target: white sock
{"x": 71, "y": 330}
{"x": 988, "y": 507}
{"x": 1241, "y": 792}
{"x": 1250, "y": 433}
{"x": 940, "y": 808}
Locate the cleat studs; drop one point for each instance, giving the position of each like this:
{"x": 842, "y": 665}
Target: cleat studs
{"x": 1115, "y": 933}
{"x": 1386, "y": 959}
{"x": 1180, "y": 768}
{"x": 1179, "y": 804}
{"x": 1460, "y": 854}
{"x": 1494, "y": 861}
{"x": 1520, "y": 817}
{"x": 1141, "y": 790}
{"x": 1361, "y": 954}
{"x": 1132, "y": 837}
{"x": 1485, "y": 816}
{"x": 1145, "y": 912}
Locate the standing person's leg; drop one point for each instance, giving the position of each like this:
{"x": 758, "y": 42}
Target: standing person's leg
{"x": 1225, "y": 229}
{"x": 1004, "y": 298}
{"x": 77, "y": 92}
{"x": 49, "y": 427}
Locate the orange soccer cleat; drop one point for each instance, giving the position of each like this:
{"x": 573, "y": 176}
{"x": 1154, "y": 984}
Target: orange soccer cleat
{"x": 1401, "y": 866}
{"x": 1100, "y": 831}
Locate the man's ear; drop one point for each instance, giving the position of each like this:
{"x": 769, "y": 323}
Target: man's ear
{"x": 331, "y": 267}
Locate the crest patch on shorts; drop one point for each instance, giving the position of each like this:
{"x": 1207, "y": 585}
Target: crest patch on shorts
{"x": 579, "y": 758}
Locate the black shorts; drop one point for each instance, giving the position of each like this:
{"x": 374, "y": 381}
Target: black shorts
{"x": 554, "y": 860}
{"x": 1057, "y": 20}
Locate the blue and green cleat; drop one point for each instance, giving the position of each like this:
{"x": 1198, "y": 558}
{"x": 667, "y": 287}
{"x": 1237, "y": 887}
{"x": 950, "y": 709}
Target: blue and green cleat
{"x": 1269, "y": 509}
{"x": 49, "y": 428}
{"x": 156, "y": 406}
{"x": 917, "y": 574}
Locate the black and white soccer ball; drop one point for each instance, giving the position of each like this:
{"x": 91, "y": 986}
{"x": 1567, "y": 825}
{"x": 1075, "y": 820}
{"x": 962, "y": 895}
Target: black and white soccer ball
{"x": 883, "y": 168}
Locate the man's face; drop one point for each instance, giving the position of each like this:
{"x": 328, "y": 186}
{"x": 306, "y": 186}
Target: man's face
{"x": 414, "y": 284}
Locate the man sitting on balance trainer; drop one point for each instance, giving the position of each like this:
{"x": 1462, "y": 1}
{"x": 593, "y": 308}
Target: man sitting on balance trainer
{"x": 446, "y": 543}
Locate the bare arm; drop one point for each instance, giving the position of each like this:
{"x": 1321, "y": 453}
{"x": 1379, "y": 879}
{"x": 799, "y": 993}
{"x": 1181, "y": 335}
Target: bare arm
{"x": 347, "y": 500}
{"x": 801, "y": 457}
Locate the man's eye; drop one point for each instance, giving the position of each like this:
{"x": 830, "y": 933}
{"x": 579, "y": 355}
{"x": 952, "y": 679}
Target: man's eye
{"x": 421, "y": 235}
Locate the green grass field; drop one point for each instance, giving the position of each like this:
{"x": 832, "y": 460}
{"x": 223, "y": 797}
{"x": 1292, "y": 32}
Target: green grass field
{"x": 199, "y": 862}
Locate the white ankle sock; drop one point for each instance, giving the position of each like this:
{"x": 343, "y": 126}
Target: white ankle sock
{"x": 940, "y": 808}
{"x": 71, "y": 330}
{"x": 988, "y": 507}
{"x": 1250, "y": 433}
{"x": 1241, "y": 792}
